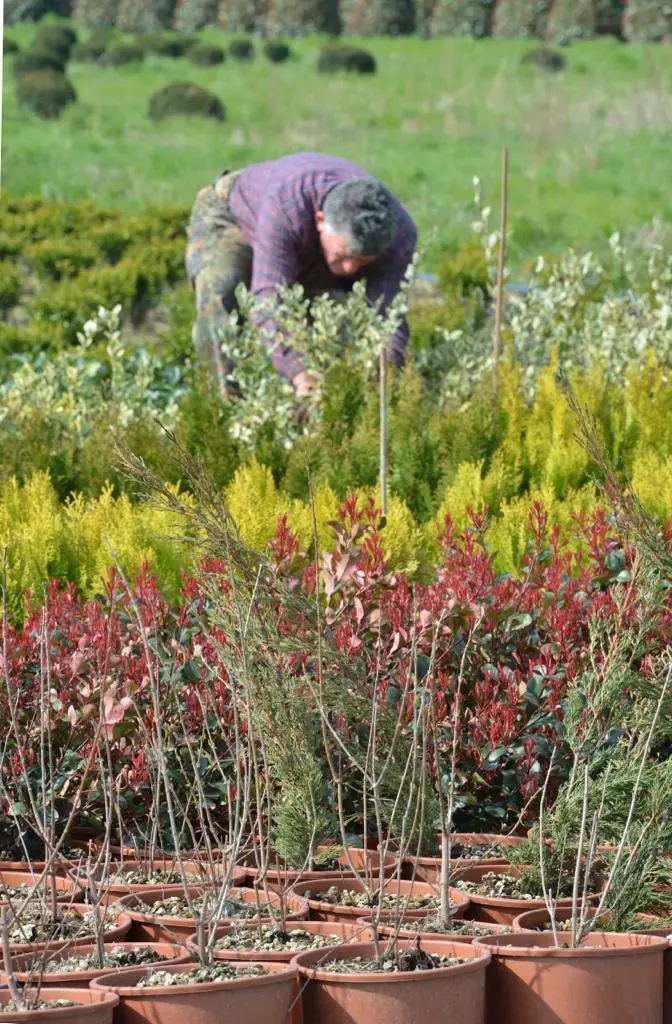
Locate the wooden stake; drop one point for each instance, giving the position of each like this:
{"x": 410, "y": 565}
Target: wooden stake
{"x": 383, "y": 430}
{"x": 497, "y": 347}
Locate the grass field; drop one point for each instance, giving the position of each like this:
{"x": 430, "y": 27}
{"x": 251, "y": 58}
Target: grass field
{"x": 589, "y": 149}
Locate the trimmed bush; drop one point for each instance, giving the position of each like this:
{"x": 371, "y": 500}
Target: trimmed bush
{"x": 46, "y": 93}
{"x": 60, "y": 38}
{"x": 524, "y": 18}
{"x": 167, "y": 45}
{"x": 241, "y": 49}
{"x": 185, "y": 98}
{"x": 102, "y": 37}
{"x": 10, "y": 46}
{"x": 277, "y": 52}
{"x": 335, "y": 57}
{"x": 145, "y": 15}
{"x": 30, "y": 337}
{"x": 647, "y": 21}
{"x": 242, "y": 15}
{"x": 462, "y": 18}
{"x": 205, "y": 55}
{"x": 87, "y": 53}
{"x": 57, "y": 258}
{"x": 378, "y": 17}
{"x": 13, "y": 11}
{"x": 301, "y": 17}
{"x": 609, "y": 17}
{"x": 192, "y": 15}
{"x": 123, "y": 53}
{"x": 37, "y": 60}
{"x": 544, "y": 59}
{"x": 96, "y": 14}
{"x": 11, "y": 281}
{"x": 571, "y": 20}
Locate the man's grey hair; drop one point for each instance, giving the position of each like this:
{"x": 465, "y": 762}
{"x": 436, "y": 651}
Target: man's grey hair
{"x": 362, "y": 210}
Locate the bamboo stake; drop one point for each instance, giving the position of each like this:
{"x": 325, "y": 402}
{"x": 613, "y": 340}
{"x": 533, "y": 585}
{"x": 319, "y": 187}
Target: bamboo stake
{"x": 497, "y": 347}
{"x": 383, "y": 430}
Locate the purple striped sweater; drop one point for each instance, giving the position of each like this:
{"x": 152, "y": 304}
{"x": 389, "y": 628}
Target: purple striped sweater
{"x": 275, "y": 203}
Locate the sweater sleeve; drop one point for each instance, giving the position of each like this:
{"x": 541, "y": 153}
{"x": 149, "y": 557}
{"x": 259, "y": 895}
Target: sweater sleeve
{"x": 275, "y": 261}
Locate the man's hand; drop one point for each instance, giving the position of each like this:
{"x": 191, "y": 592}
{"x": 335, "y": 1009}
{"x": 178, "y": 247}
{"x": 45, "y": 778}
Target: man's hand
{"x": 304, "y": 384}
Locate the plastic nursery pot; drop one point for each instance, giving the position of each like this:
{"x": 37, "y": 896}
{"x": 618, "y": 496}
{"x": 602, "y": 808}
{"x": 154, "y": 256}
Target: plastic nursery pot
{"x": 158, "y": 928}
{"x": 428, "y": 869}
{"x": 539, "y": 920}
{"x": 35, "y": 867}
{"x": 611, "y": 979}
{"x": 118, "y": 928}
{"x": 447, "y": 995}
{"x": 112, "y": 890}
{"x": 342, "y": 931}
{"x": 279, "y": 875}
{"x": 28, "y": 967}
{"x": 387, "y": 929}
{"x": 92, "y": 1007}
{"x": 502, "y": 909}
{"x": 364, "y": 861}
{"x": 647, "y": 921}
{"x": 488, "y": 839}
{"x": 267, "y": 999}
{"x": 320, "y": 910}
{"x": 67, "y": 891}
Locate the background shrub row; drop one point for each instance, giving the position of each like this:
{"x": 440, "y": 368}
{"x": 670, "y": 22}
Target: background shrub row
{"x": 560, "y": 21}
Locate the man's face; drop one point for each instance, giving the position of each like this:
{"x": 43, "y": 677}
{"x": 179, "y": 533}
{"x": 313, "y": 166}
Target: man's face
{"x": 335, "y": 250}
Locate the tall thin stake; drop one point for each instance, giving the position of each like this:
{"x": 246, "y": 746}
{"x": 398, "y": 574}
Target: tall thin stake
{"x": 497, "y": 347}
{"x": 383, "y": 430}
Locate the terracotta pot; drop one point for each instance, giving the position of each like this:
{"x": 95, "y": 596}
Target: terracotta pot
{"x": 366, "y": 862}
{"x": 502, "y": 909}
{"x": 154, "y": 928}
{"x": 343, "y": 931}
{"x": 448, "y": 995}
{"x": 35, "y": 867}
{"x": 322, "y": 911}
{"x": 611, "y": 979}
{"x": 488, "y": 839}
{"x": 26, "y": 966}
{"x": 67, "y": 890}
{"x": 251, "y": 1000}
{"x": 664, "y": 933}
{"x": 92, "y": 1007}
{"x": 387, "y": 930}
{"x": 537, "y": 920}
{"x": 278, "y": 874}
{"x": 112, "y": 891}
{"x": 428, "y": 869}
{"x": 114, "y": 933}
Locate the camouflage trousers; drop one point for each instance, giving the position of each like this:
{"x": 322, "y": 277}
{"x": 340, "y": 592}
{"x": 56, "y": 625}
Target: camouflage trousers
{"x": 218, "y": 259}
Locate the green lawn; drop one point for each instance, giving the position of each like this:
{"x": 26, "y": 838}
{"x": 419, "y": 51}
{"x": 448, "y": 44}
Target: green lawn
{"x": 589, "y": 149}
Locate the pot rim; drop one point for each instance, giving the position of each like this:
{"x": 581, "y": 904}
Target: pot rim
{"x": 460, "y": 901}
{"x": 513, "y": 946}
{"x": 460, "y": 862}
{"x": 407, "y": 933}
{"x": 113, "y": 982}
{"x": 312, "y": 927}
{"x": 88, "y": 1002}
{"x": 512, "y": 902}
{"x": 121, "y": 921}
{"x": 463, "y": 949}
{"x": 300, "y": 905}
{"x": 66, "y": 953}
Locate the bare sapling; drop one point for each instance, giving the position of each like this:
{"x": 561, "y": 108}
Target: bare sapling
{"x": 179, "y": 749}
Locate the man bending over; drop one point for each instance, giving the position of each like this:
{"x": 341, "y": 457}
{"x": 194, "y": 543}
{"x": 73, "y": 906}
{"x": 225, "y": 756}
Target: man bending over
{"x": 307, "y": 218}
